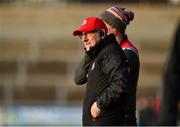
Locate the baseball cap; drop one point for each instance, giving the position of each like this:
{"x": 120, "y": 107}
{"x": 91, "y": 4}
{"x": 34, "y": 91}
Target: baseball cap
{"x": 90, "y": 24}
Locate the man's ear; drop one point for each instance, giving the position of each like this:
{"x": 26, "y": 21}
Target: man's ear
{"x": 102, "y": 33}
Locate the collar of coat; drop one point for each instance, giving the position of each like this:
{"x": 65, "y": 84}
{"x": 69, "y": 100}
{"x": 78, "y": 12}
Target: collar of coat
{"x": 94, "y": 51}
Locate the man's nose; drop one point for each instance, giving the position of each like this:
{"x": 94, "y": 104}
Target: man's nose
{"x": 84, "y": 38}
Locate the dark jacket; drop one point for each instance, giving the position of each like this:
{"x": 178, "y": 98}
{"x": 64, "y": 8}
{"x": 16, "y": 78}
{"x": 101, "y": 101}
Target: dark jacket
{"x": 171, "y": 84}
{"x": 133, "y": 60}
{"x": 106, "y": 83}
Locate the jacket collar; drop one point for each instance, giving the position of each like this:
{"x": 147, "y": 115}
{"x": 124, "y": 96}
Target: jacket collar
{"x": 94, "y": 51}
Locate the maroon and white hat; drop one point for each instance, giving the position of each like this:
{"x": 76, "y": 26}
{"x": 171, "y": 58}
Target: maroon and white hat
{"x": 117, "y": 17}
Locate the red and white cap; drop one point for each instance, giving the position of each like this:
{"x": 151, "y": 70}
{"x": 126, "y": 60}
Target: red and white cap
{"x": 90, "y": 24}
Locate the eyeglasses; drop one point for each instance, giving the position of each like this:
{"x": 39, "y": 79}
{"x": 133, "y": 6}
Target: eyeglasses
{"x": 86, "y": 33}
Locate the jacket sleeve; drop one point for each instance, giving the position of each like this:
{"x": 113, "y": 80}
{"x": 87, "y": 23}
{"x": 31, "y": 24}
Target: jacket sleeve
{"x": 117, "y": 70}
{"x": 82, "y": 70}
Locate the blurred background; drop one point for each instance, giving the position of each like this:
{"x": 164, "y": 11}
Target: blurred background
{"x": 38, "y": 56}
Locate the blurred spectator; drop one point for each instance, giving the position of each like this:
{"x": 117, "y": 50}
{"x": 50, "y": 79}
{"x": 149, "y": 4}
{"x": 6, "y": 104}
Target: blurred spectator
{"x": 147, "y": 114}
{"x": 156, "y": 107}
{"x": 171, "y": 87}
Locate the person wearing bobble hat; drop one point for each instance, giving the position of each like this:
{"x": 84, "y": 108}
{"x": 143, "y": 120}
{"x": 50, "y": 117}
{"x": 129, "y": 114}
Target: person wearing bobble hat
{"x": 106, "y": 91}
{"x": 117, "y": 19}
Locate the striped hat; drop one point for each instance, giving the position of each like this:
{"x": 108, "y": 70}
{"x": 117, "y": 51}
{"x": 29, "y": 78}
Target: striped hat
{"x": 117, "y": 17}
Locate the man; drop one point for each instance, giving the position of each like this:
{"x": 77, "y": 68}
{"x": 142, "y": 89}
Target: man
{"x": 116, "y": 20}
{"x": 171, "y": 87}
{"x": 106, "y": 91}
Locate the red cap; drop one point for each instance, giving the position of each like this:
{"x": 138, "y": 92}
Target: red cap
{"x": 90, "y": 24}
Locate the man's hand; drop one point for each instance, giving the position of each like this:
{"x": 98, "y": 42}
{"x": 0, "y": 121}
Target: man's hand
{"x": 95, "y": 111}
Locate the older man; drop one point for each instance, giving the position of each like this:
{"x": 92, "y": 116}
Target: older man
{"x": 117, "y": 19}
{"x": 106, "y": 91}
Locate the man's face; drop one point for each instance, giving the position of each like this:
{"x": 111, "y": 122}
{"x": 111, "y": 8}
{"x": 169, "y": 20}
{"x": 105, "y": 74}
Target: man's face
{"x": 90, "y": 39}
{"x": 111, "y": 30}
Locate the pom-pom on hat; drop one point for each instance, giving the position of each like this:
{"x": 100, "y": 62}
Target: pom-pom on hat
{"x": 90, "y": 24}
{"x": 117, "y": 17}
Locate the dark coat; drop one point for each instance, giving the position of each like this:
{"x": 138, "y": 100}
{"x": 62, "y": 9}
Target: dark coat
{"x": 106, "y": 83}
{"x": 171, "y": 84}
{"x": 133, "y": 59}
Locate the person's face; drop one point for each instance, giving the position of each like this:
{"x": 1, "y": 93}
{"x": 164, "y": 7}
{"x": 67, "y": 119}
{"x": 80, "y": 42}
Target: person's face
{"x": 111, "y": 30}
{"x": 89, "y": 39}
